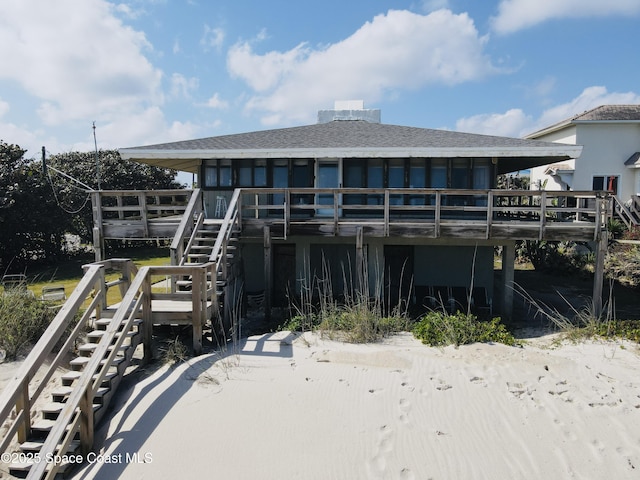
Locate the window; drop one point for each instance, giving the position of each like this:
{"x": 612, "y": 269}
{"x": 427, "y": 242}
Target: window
{"x": 439, "y": 173}
{"x": 217, "y": 174}
{"x": 606, "y": 182}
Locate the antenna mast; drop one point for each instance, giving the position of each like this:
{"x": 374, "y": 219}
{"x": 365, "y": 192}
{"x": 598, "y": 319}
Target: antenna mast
{"x": 95, "y": 142}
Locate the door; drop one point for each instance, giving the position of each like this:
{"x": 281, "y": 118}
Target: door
{"x": 327, "y": 176}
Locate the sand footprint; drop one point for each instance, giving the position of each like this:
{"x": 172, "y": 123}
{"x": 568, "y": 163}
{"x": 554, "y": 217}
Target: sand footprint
{"x": 442, "y": 385}
{"x": 478, "y": 381}
{"x": 405, "y": 408}
{"x": 406, "y": 474}
{"x": 378, "y": 464}
{"x": 519, "y": 389}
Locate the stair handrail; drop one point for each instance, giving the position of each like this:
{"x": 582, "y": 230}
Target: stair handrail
{"x": 85, "y": 388}
{"x": 231, "y": 218}
{"x": 623, "y": 212}
{"x": 16, "y": 393}
{"x": 193, "y": 211}
{"x": 192, "y": 238}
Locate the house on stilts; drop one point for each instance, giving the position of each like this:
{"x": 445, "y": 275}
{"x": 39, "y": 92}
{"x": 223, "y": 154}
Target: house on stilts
{"x": 407, "y": 214}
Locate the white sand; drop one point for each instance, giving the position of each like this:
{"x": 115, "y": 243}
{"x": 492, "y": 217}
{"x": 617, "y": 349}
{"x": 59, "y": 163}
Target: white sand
{"x": 309, "y": 408}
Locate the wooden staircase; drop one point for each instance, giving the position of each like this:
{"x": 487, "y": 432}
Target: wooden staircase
{"x": 50, "y": 414}
{"x": 50, "y": 411}
{"x": 629, "y": 212}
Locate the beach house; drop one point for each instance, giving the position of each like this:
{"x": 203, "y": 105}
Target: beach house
{"x": 412, "y": 214}
{"x": 610, "y": 159}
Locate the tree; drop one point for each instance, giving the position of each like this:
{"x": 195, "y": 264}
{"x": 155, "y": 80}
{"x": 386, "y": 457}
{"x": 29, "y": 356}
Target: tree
{"x": 115, "y": 174}
{"x": 31, "y": 224}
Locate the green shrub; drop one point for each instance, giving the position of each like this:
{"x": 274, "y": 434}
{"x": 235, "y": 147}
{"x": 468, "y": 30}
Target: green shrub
{"x": 628, "y": 329}
{"x": 23, "y": 319}
{"x": 441, "y": 329}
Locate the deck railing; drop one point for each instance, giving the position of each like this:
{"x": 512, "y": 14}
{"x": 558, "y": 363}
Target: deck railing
{"x": 136, "y": 214}
{"x": 23, "y": 392}
{"x": 439, "y": 212}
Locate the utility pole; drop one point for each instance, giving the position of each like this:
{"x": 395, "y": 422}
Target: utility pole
{"x": 95, "y": 142}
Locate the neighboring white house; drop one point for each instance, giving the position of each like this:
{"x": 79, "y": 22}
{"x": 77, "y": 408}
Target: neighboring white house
{"x": 610, "y": 159}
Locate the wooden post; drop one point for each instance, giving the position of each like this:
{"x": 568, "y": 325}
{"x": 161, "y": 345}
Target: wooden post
{"x": 86, "y": 421}
{"x": 360, "y": 280}
{"x": 142, "y": 201}
{"x": 98, "y": 237}
{"x": 489, "y": 213}
{"x": 196, "y": 309}
{"x": 437, "y": 214}
{"x": 598, "y": 277}
{"x": 386, "y": 213}
{"x": 147, "y": 325}
{"x": 268, "y": 293}
{"x": 508, "y": 267}
{"x": 24, "y": 404}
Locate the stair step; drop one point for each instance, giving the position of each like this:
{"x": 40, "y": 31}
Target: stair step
{"x": 40, "y": 428}
{"x": 87, "y": 349}
{"x": 51, "y": 411}
{"x": 68, "y": 378}
{"x": 96, "y": 335}
{"x": 61, "y": 394}
{"x": 103, "y": 323}
{"x": 79, "y": 363}
{"x": 21, "y": 469}
{"x": 36, "y": 445}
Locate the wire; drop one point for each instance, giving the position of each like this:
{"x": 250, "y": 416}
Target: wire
{"x": 55, "y": 196}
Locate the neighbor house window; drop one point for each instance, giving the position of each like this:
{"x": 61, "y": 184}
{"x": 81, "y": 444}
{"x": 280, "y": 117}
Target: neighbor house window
{"x": 606, "y": 182}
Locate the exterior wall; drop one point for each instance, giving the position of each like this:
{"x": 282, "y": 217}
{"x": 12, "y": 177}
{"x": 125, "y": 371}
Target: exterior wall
{"x": 606, "y": 147}
{"x": 567, "y": 135}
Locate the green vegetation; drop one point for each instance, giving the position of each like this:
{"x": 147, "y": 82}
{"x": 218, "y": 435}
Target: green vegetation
{"x": 440, "y": 329}
{"x": 23, "y": 319}
{"x": 357, "y": 322}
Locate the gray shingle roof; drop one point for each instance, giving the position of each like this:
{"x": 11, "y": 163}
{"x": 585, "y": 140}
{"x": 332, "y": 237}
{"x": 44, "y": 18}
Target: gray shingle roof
{"x": 352, "y": 139}
{"x": 603, "y": 113}
{"x": 343, "y": 135}
{"x": 610, "y": 112}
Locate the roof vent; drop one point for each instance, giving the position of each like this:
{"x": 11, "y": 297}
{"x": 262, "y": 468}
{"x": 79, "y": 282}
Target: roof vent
{"x": 349, "y": 110}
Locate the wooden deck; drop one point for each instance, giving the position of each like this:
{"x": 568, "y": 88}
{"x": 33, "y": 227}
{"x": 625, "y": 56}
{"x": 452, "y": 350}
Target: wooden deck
{"x": 426, "y": 213}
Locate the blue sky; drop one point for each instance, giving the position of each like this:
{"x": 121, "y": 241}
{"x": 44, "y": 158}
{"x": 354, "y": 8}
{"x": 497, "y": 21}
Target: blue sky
{"x": 152, "y": 71}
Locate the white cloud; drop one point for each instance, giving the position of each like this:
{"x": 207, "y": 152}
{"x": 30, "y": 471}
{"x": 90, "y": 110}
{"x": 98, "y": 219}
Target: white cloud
{"x": 516, "y": 123}
{"x": 397, "y": 51}
{"x": 514, "y": 15}
{"x": 217, "y": 103}
{"x": 4, "y": 107}
{"x": 212, "y": 38}
{"x": 263, "y": 72}
{"x": 508, "y": 124}
{"x": 590, "y": 97}
{"x": 77, "y": 58}
{"x": 182, "y": 86}
{"x": 143, "y": 127}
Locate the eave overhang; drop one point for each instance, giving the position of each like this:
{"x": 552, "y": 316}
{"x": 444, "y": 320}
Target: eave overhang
{"x": 508, "y": 159}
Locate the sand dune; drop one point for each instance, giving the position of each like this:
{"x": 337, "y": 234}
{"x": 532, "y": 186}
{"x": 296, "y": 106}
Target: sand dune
{"x": 285, "y": 407}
